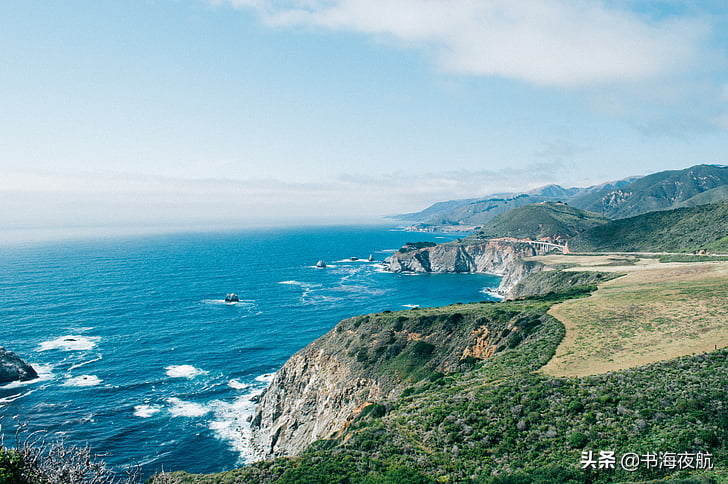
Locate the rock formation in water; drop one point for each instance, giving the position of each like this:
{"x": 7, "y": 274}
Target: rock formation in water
{"x": 496, "y": 256}
{"x": 12, "y": 368}
{"x": 323, "y": 387}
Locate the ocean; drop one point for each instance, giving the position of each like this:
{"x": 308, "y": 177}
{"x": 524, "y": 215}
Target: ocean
{"x": 141, "y": 357}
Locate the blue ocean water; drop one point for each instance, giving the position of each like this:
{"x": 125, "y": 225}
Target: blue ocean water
{"x": 141, "y": 357}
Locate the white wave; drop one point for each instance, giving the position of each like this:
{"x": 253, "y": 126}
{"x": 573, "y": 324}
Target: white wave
{"x": 183, "y": 371}
{"x": 146, "y": 411}
{"x": 83, "y": 381}
{"x": 238, "y": 385}
{"x": 180, "y": 408}
{"x": 70, "y": 342}
{"x": 242, "y": 303}
{"x": 411, "y": 305}
{"x": 292, "y": 283}
{"x": 359, "y": 289}
{"x": 232, "y": 423}
{"x": 79, "y": 365}
{"x": 492, "y": 293}
{"x": 265, "y": 378}
{"x": 45, "y": 373}
{"x": 12, "y": 398}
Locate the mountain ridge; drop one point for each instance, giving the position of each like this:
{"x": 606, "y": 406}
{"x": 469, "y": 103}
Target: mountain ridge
{"x": 631, "y": 196}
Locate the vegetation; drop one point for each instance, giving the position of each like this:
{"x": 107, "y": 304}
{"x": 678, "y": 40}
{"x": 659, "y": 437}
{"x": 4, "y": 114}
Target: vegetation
{"x": 411, "y": 246}
{"x": 654, "y": 312}
{"x": 37, "y": 461}
{"x": 690, "y": 258}
{"x": 680, "y": 230}
{"x": 555, "y": 282}
{"x": 554, "y": 220}
{"x": 664, "y": 190}
{"x": 498, "y": 420}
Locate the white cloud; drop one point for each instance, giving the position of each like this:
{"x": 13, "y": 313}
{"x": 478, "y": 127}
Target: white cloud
{"x": 547, "y": 42}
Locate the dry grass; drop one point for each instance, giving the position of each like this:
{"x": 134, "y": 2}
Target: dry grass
{"x": 655, "y": 312}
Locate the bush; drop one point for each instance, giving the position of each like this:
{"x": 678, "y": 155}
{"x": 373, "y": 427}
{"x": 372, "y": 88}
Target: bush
{"x": 423, "y": 349}
{"x": 39, "y": 461}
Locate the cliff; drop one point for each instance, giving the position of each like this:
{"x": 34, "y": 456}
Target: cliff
{"x": 495, "y": 256}
{"x": 12, "y": 368}
{"x": 370, "y": 360}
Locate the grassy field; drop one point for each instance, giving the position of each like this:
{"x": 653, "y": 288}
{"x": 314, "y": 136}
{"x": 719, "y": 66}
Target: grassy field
{"x": 655, "y": 312}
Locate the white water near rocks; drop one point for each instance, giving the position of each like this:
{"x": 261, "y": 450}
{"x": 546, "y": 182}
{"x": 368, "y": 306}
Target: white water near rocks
{"x": 140, "y": 356}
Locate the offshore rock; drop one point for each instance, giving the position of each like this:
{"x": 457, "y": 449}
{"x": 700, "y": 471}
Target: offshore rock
{"x": 12, "y": 368}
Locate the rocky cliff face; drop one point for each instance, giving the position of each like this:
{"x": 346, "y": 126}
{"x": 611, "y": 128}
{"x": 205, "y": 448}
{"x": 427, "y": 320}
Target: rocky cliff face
{"x": 370, "y": 359}
{"x": 366, "y": 360}
{"x": 12, "y": 368}
{"x": 311, "y": 397}
{"x": 500, "y": 257}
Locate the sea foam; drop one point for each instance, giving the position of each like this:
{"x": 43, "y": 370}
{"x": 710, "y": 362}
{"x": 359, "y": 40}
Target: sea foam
{"x": 180, "y": 408}
{"x": 232, "y": 424}
{"x": 231, "y": 421}
{"x": 45, "y": 373}
{"x": 146, "y": 411}
{"x": 265, "y": 378}
{"x": 183, "y": 371}
{"x": 70, "y": 342}
{"x": 83, "y": 381}
{"x": 237, "y": 385}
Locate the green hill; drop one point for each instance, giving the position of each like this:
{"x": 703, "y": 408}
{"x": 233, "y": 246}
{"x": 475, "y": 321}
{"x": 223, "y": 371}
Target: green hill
{"x": 714, "y": 195}
{"x": 499, "y": 421}
{"x": 680, "y": 230}
{"x": 660, "y": 191}
{"x": 556, "y": 221}
{"x": 478, "y": 212}
{"x": 481, "y": 211}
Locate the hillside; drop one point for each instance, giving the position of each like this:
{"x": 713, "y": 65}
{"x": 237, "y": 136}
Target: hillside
{"x": 714, "y": 195}
{"x": 498, "y": 420}
{"x": 629, "y": 197}
{"x": 480, "y": 211}
{"x": 659, "y": 191}
{"x": 605, "y": 352}
{"x": 679, "y": 230}
{"x": 554, "y": 221}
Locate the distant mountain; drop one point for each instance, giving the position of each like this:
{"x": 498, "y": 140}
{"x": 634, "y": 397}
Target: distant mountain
{"x": 551, "y": 220}
{"x": 717, "y": 194}
{"x": 477, "y": 212}
{"x": 664, "y": 190}
{"x": 434, "y": 210}
{"x": 679, "y": 230}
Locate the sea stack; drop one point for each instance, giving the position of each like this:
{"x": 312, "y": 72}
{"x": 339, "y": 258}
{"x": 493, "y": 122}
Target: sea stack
{"x": 12, "y": 368}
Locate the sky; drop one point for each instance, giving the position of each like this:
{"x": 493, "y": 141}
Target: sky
{"x": 193, "y": 114}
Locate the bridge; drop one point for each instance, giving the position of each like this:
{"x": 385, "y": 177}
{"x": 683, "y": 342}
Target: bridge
{"x": 537, "y": 243}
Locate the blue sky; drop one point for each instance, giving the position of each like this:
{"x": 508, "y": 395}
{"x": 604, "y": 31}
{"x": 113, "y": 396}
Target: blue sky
{"x": 206, "y": 113}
